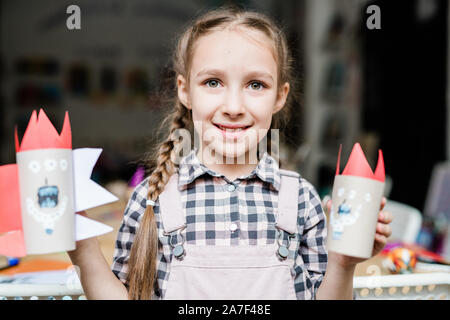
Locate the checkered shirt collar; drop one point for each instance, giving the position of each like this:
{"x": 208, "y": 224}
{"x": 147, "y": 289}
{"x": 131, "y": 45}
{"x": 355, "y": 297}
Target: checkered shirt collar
{"x": 190, "y": 168}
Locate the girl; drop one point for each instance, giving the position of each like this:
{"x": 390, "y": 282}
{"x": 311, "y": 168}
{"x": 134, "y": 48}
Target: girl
{"x": 216, "y": 225}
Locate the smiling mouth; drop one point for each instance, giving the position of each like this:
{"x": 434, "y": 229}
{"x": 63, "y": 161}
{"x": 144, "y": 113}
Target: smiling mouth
{"x": 46, "y": 219}
{"x": 233, "y": 128}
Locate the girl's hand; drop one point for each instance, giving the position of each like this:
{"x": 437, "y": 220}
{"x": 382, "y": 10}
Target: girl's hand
{"x": 383, "y": 232}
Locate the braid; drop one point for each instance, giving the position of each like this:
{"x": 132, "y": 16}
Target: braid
{"x": 142, "y": 272}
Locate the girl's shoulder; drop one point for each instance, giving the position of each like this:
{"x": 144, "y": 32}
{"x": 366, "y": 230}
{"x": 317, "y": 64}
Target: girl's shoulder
{"x": 305, "y": 187}
{"x": 137, "y": 202}
{"x": 140, "y": 191}
{"x": 306, "y": 191}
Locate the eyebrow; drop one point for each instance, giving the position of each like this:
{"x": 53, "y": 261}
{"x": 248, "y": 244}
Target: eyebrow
{"x": 214, "y": 72}
{"x": 220, "y": 73}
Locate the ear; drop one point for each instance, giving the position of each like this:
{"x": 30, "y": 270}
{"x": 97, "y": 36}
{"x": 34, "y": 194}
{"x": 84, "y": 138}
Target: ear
{"x": 282, "y": 97}
{"x": 183, "y": 94}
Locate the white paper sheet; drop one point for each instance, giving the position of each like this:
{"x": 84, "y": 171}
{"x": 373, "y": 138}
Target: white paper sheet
{"x": 68, "y": 276}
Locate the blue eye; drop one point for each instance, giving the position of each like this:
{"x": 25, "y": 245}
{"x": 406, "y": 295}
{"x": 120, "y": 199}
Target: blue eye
{"x": 212, "y": 83}
{"x": 256, "y": 85}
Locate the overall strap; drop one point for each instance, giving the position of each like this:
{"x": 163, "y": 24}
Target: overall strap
{"x": 170, "y": 205}
{"x": 288, "y": 201}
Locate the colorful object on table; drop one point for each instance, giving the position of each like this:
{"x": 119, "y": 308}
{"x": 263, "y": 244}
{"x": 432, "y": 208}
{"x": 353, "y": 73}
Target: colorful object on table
{"x": 422, "y": 254}
{"x": 40, "y": 195}
{"x": 36, "y": 265}
{"x": 7, "y": 262}
{"x": 400, "y": 260}
{"x": 356, "y": 199}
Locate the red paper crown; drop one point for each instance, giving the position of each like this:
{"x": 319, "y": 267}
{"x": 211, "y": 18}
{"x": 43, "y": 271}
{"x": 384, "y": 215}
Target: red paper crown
{"x": 357, "y": 165}
{"x": 41, "y": 134}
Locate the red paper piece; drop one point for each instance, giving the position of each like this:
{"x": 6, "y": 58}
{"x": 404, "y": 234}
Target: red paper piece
{"x": 357, "y": 165}
{"x": 16, "y": 139}
{"x": 10, "y": 213}
{"x": 379, "y": 171}
{"x": 13, "y": 244}
{"x": 41, "y": 134}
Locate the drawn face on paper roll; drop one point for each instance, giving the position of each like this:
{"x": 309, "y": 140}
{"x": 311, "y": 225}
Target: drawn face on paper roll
{"x": 347, "y": 210}
{"x": 356, "y": 199}
{"x": 46, "y": 185}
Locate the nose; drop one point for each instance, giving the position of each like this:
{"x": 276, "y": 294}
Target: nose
{"x": 234, "y": 105}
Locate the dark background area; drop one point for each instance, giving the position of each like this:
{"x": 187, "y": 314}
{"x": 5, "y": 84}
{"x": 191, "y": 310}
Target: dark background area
{"x": 404, "y": 95}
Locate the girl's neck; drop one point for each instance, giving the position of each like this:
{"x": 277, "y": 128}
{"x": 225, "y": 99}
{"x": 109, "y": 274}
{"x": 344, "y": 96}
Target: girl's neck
{"x": 232, "y": 168}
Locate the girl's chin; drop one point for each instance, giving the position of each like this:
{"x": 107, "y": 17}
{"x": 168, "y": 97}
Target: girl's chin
{"x": 233, "y": 154}
{"x": 230, "y": 153}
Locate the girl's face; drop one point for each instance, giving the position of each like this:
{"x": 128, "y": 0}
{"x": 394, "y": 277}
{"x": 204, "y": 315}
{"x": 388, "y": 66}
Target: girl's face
{"x": 232, "y": 91}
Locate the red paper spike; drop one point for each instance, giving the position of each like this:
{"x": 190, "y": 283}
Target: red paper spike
{"x": 41, "y": 134}
{"x": 379, "y": 171}
{"x": 16, "y": 139}
{"x": 357, "y": 165}
{"x": 66, "y": 133}
{"x": 29, "y": 132}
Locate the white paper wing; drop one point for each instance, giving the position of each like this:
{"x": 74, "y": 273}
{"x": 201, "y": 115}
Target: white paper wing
{"x": 88, "y": 194}
{"x": 86, "y": 228}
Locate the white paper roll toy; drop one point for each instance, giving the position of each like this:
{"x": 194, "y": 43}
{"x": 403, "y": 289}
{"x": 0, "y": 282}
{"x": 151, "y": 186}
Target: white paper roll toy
{"x": 356, "y": 199}
{"x": 40, "y": 195}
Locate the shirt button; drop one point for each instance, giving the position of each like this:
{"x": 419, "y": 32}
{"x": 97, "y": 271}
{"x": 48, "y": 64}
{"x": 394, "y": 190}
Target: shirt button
{"x": 233, "y": 227}
{"x": 231, "y": 187}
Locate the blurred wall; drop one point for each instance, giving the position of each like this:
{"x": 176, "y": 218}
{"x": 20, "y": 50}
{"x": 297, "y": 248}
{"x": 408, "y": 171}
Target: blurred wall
{"x": 108, "y": 75}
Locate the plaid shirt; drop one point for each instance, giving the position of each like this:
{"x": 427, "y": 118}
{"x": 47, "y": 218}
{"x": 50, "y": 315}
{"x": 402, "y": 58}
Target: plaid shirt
{"x": 212, "y": 203}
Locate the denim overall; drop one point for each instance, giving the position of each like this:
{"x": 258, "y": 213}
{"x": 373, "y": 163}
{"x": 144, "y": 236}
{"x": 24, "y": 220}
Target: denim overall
{"x": 232, "y": 272}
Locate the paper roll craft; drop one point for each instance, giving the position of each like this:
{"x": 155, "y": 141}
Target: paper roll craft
{"x": 40, "y": 195}
{"x": 356, "y": 199}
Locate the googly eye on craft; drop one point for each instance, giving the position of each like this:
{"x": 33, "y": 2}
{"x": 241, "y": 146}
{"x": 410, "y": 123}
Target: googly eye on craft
{"x": 34, "y": 166}
{"x": 50, "y": 164}
{"x": 352, "y": 194}
{"x": 341, "y": 192}
{"x": 63, "y": 164}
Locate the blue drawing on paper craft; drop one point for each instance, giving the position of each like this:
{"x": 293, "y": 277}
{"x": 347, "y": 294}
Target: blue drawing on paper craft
{"x": 48, "y": 196}
{"x": 344, "y": 208}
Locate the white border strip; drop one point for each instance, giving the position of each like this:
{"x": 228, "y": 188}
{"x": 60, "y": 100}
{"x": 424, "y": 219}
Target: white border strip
{"x": 402, "y": 280}
{"x": 28, "y": 290}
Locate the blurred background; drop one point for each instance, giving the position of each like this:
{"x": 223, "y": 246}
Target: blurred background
{"x": 386, "y": 88}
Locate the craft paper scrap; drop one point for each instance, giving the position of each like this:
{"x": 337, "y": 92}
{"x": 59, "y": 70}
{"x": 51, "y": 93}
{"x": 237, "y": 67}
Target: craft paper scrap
{"x": 40, "y": 195}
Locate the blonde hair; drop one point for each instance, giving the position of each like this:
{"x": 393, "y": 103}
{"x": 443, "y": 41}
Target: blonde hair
{"x": 142, "y": 265}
